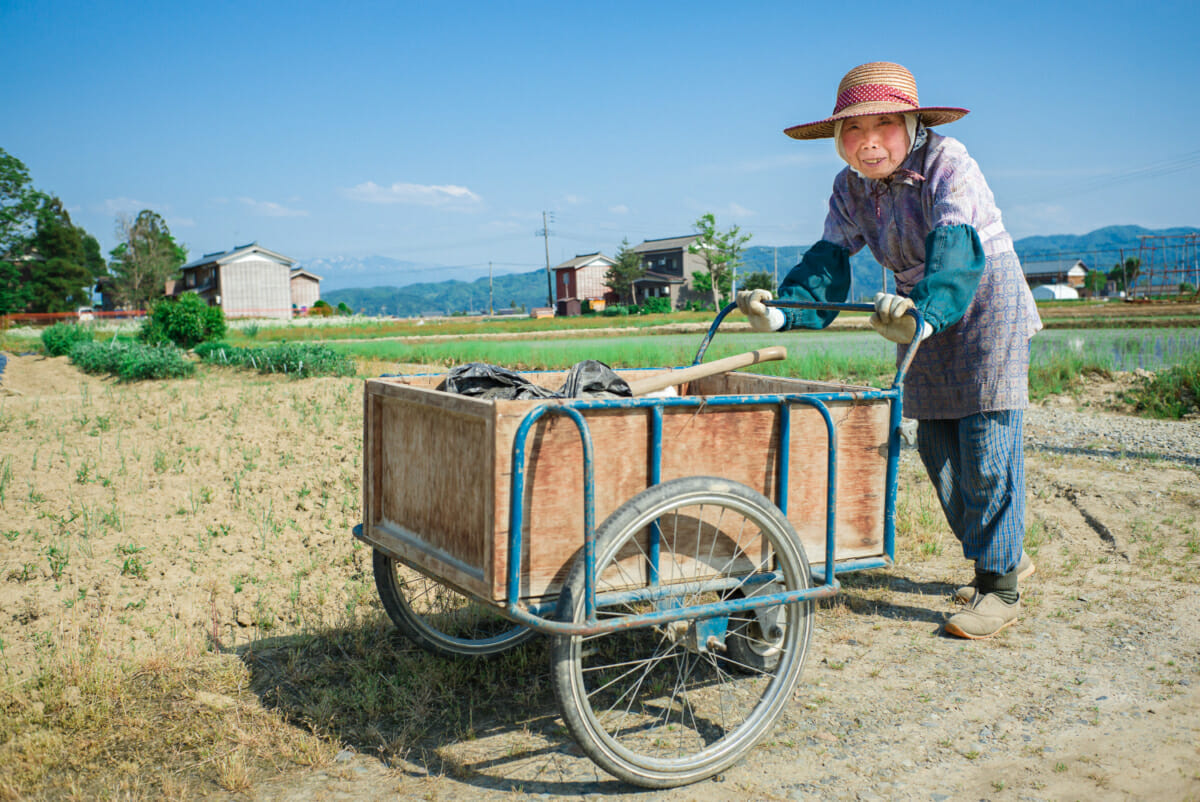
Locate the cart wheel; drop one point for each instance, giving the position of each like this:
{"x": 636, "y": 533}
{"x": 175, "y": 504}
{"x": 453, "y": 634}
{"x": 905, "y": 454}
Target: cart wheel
{"x": 672, "y": 704}
{"x": 440, "y": 619}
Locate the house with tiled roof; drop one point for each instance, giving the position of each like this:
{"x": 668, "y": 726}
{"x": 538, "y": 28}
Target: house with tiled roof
{"x": 581, "y": 280}
{"x": 669, "y": 267}
{"x": 1070, "y": 272}
{"x": 250, "y": 281}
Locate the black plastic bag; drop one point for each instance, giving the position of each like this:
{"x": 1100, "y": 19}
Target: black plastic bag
{"x": 592, "y": 379}
{"x": 586, "y": 379}
{"x": 481, "y": 380}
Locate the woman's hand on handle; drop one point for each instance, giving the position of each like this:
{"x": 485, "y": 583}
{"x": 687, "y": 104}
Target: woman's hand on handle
{"x": 761, "y": 317}
{"x": 891, "y": 319}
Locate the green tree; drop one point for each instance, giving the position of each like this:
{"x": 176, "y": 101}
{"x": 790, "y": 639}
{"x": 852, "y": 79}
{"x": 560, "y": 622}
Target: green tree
{"x": 14, "y": 293}
{"x": 146, "y": 258}
{"x": 93, "y": 259}
{"x": 55, "y": 264}
{"x": 760, "y": 280}
{"x": 1126, "y": 275}
{"x": 628, "y": 269}
{"x": 1095, "y": 281}
{"x": 721, "y": 251}
{"x": 19, "y": 203}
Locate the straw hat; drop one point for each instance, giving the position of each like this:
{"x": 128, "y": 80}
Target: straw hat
{"x": 876, "y": 88}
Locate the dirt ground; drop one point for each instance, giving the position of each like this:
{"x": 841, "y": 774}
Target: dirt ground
{"x": 209, "y": 515}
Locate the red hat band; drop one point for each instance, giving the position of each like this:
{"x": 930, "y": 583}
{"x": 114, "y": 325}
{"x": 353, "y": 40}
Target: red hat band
{"x": 866, "y": 93}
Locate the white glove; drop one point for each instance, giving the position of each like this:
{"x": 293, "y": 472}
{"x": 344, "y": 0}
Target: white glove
{"x": 890, "y": 320}
{"x": 761, "y": 316}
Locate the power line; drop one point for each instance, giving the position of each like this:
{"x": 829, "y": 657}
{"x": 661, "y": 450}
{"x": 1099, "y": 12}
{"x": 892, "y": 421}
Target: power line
{"x": 1157, "y": 169}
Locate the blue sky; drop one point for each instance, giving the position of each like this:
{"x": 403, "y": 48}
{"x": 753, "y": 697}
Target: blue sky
{"x": 440, "y": 132}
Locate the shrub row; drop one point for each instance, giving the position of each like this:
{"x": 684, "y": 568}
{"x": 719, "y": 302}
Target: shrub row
{"x": 132, "y": 362}
{"x": 652, "y": 306}
{"x": 59, "y": 339}
{"x": 300, "y": 360}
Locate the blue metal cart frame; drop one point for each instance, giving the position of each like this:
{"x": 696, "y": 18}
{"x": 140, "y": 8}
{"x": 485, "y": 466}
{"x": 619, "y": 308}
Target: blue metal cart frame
{"x": 574, "y": 619}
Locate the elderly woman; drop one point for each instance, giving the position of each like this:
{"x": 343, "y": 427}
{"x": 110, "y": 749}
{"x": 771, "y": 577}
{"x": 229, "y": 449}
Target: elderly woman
{"x": 921, "y": 204}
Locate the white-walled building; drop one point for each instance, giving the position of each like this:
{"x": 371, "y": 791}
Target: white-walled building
{"x": 249, "y": 281}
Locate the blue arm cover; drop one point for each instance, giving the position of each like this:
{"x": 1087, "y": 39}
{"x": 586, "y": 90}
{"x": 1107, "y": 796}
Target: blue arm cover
{"x": 823, "y": 275}
{"x": 954, "y": 262}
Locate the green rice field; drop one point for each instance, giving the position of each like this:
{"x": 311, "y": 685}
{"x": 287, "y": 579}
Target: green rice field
{"x": 814, "y": 355}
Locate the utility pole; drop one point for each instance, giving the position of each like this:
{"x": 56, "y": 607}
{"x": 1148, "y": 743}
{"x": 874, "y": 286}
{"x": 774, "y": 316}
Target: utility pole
{"x": 776, "y": 274}
{"x": 1124, "y": 276}
{"x": 491, "y": 294}
{"x": 545, "y": 234}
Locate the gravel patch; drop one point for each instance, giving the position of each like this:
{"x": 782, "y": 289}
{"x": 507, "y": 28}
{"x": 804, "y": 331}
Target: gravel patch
{"x": 1105, "y": 434}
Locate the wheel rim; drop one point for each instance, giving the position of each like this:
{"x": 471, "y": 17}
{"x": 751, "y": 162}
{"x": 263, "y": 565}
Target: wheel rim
{"x": 655, "y": 707}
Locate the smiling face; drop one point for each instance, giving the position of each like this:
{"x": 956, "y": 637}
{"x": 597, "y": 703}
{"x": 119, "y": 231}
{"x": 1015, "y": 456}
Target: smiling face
{"x": 875, "y": 145}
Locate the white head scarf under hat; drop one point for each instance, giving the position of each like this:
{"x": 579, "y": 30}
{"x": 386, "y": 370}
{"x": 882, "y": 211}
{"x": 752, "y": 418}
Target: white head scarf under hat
{"x": 917, "y": 134}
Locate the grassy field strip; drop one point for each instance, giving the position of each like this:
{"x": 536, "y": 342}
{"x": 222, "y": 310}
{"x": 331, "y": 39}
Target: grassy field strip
{"x": 1057, "y": 356}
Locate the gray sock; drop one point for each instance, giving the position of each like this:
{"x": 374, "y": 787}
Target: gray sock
{"x": 1003, "y": 586}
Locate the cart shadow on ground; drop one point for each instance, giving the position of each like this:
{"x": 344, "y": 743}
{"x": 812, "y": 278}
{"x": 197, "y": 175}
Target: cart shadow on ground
{"x": 491, "y": 724}
{"x": 887, "y": 593}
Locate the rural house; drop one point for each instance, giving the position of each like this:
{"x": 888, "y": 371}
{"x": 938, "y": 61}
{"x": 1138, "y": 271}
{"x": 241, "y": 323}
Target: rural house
{"x": 306, "y": 289}
{"x": 249, "y": 281}
{"x": 1068, "y": 273}
{"x": 669, "y": 268}
{"x": 581, "y": 279}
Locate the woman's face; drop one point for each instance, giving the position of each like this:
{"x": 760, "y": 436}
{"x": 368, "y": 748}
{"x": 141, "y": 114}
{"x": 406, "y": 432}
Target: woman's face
{"x": 875, "y": 145}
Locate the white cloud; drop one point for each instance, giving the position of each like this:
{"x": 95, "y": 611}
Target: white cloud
{"x": 415, "y": 194}
{"x": 620, "y": 208}
{"x": 271, "y": 209}
{"x": 183, "y": 222}
{"x": 574, "y": 200}
{"x": 130, "y": 206}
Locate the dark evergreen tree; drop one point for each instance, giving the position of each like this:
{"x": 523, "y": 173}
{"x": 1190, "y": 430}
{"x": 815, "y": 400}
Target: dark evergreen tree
{"x": 54, "y": 266}
{"x": 629, "y": 268}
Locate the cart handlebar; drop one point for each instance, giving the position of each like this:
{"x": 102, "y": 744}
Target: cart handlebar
{"x": 901, "y": 370}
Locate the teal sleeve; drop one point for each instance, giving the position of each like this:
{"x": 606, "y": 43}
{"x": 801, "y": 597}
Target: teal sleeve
{"x": 954, "y": 262}
{"x": 823, "y": 276}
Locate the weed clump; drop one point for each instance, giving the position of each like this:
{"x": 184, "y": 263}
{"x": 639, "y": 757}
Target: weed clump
{"x": 132, "y": 361}
{"x": 59, "y": 339}
{"x": 299, "y": 360}
{"x": 1172, "y": 393}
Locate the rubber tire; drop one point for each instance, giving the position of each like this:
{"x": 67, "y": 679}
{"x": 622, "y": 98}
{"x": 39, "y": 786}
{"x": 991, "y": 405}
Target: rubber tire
{"x": 483, "y": 633}
{"x": 630, "y": 762}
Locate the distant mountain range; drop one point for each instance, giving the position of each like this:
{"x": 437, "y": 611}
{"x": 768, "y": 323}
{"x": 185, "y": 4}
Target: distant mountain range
{"x": 342, "y": 272}
{"x": 380, "y": 285}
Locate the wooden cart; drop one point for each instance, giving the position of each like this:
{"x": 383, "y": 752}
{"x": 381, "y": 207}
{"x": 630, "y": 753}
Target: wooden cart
{"x": 681, "y": 623}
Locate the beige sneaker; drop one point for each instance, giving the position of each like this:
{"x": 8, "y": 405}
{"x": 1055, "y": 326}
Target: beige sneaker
{"x": 986, "y": 615}
{"x": 1025, "y": 569}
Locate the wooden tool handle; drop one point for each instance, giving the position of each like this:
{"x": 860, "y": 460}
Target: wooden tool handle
{"x": 674, "y": 377}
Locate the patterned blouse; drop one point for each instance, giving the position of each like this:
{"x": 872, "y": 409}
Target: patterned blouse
{"x": 981, "y": 362}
